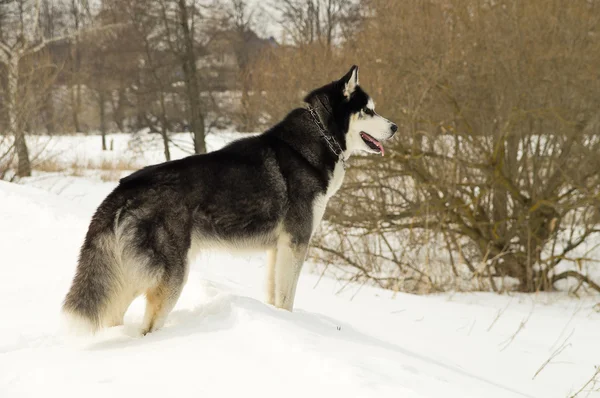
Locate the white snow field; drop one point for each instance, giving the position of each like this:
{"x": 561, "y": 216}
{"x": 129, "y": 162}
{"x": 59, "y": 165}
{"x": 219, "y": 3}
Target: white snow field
{"x": 221, "y": 340}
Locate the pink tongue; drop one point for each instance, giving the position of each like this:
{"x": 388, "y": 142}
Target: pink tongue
{"x": 375, "y": 142}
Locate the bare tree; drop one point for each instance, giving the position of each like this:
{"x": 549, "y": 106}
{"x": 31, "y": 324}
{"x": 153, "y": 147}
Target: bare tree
{"x": 247, "y": 46}
{"x": 156, "y": 83}
{"x": 493, "y": 178}
{"x": 499, "y": 156}
{"x": 21, "y": 35}
{"x": 180, "y": 28}
{"x": 80, "y": 13}
{"x": 316, "y": 21}
{"x": 108, "y": 66}
{"x": 187, "y": 19}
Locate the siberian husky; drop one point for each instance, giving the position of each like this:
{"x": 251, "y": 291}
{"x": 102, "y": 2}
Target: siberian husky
{"x": 266, "y": 192}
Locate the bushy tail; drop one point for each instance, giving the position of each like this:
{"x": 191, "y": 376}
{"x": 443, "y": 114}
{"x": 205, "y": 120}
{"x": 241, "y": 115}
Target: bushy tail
{"x": 85, "y": 306}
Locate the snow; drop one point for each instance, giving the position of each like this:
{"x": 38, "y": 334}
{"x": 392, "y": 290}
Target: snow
{"x": 221, "y": 340}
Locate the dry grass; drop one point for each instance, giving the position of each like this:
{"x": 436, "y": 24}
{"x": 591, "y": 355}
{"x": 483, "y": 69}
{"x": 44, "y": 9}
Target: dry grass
{"x": 50, "y": 166}
{"x": 110, "y": 170}
{"x": 111, "y": 175}
{"x": 112, "y": 165}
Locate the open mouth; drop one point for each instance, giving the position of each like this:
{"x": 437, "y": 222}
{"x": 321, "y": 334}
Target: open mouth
{"x": 372, "y": 143}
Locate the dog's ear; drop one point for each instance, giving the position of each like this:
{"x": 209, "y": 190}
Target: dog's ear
{"x": 350, "y": 81}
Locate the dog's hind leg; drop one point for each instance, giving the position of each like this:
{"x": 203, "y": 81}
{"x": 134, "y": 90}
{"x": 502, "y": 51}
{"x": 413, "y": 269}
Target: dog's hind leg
{"x": 118, "y": 312}
{"x": 161, "y": 298}
{"x": 120, "y": 306}
{"x": 290, "y": 257}
{"x": 270, "y": 281}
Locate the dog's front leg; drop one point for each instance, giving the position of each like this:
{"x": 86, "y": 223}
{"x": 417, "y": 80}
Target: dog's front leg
{"x": 270, "y": 280}
{"x": 289, "y": 259}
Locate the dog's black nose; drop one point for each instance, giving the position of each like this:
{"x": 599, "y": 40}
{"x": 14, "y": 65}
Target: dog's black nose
{"x": 394, "y": 128}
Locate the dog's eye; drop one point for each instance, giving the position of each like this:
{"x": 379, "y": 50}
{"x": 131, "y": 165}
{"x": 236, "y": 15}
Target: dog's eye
{"x": 368, "y": 111}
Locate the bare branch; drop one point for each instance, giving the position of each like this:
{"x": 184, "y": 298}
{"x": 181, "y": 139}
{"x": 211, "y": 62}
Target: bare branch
{"x": 578, "y": 276}
{"x": 556, "y": 353}
{"x": 39, "y": 46}
{"x": 592, "y": 380}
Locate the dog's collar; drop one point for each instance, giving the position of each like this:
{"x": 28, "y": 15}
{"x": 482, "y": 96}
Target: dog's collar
{"x": 332, "y": 143}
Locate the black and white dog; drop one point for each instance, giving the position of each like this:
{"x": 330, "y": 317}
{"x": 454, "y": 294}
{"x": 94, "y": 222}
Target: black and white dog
{"x": 266, "y": 192}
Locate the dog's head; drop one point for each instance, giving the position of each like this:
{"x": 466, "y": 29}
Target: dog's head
{"x": 349, "y": 113}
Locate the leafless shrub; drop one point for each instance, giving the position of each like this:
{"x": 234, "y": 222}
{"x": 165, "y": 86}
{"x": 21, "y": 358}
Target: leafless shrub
{"x": 494, "y": 174}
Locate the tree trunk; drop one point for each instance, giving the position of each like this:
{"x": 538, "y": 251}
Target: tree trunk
{"x": 140, "y": 105}
{"x": 75, "y": 102}
{"x": 118, "y": 109}
{"x": 188, "y": 60}
{"x": 499, "y": 192}
{"x": 165, "y": 137}
{"x": 247, "y": 123}
{"x": 23, "y": 164}
{"x": 164, "y": 128}
{"x": 49, "y": 112}
{"x": 76, "y": 71}
{"x": 102, "y": 104}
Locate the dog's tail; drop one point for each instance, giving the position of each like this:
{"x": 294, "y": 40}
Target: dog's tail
{"x": 96, "y": 282}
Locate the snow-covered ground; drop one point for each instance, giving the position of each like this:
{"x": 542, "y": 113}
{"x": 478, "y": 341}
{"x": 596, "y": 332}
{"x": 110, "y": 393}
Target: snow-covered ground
{"x": 221, "y": 340}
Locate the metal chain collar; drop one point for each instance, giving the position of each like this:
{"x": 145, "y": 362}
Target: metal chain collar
{"x": 332, "y": 143}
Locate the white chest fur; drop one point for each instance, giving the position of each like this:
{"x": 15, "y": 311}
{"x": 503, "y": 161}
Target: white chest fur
{"x": 320, "y": 202}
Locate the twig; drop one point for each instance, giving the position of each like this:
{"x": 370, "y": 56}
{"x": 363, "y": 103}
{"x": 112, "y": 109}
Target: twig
{"x": 556, "y": 352}
{"x": 521, "y": 327}
{"x": 576, "y": 275}
{"x": 591, "y": 380}
{"x": 321, "y": 276}
{"x": 498, "y": 315}
{"x": 567, "y": 325}
{"x": 359, "y": 289}
{"x": 472, "y": 326}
